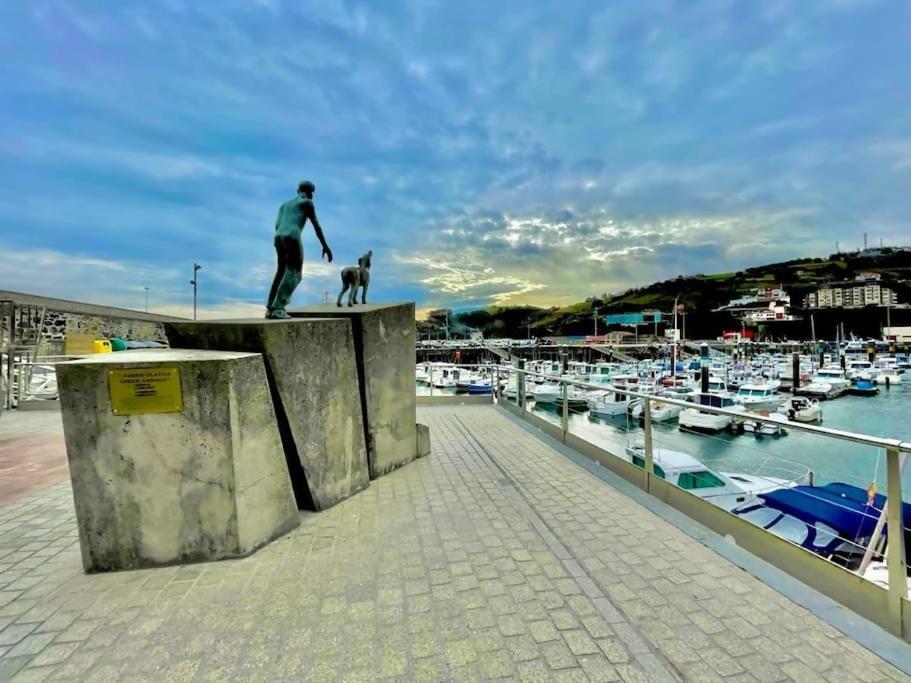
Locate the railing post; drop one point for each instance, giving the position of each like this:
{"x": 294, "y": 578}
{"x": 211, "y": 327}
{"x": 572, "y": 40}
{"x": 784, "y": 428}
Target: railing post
{"x": 520, "y": 385}
{"x": 20, "y": 381}
{"x": 564, "y": 417}
{"x": 895, "y": 550}
{"x": 647, "y": 428}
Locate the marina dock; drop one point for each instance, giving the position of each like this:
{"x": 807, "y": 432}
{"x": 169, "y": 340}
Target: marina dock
{"x": 495, "y": 557}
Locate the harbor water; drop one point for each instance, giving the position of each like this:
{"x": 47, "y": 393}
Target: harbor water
{"x": 791, "y": 455}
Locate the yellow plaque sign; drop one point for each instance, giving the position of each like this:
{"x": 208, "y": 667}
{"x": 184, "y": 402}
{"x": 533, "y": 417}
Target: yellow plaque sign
{"x": 140, "y": 391}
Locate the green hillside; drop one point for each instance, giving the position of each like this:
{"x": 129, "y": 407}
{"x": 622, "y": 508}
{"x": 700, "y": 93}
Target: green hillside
{"x": 699, "y": 293}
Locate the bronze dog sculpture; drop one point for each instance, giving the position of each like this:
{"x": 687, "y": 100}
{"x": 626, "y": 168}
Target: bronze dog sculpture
{"x": 356, "y": 278}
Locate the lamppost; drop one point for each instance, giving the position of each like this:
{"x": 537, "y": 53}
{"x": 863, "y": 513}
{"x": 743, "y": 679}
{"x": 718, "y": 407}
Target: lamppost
{"x": 595, "y": 317}
{"x": 674, "y": 341}
{"x": 147, "y": 298}
{"x": 195, "y": 283}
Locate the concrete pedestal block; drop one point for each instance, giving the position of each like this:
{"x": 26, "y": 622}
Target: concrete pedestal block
{"x": 204, "y": 482}
{"x": 422, "y": 447}
{"x": 384, "y": 339}
{"x": 313, "y": 377}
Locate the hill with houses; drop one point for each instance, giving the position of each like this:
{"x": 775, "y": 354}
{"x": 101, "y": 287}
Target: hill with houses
{"x": 709, "y": 302}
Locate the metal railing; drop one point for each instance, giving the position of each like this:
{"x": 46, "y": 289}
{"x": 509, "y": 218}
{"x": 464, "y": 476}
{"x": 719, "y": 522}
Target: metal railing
{"x": 896, "y": 450}
{"x": 23, "y": 374}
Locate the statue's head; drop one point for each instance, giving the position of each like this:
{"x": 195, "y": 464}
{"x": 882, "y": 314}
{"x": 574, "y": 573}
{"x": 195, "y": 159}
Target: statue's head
{"x": 306, "y": 187}
{"x": 364, "y": 261}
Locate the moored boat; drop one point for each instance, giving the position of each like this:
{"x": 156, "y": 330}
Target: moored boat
{"x": 696, "y": 420}
{"x": 608, "y": 403}
{"x": 759, "y": 396}
{"x": 725, "y": 489}
{"x": 802, "y": 409}
{"x": 862, "y": 386}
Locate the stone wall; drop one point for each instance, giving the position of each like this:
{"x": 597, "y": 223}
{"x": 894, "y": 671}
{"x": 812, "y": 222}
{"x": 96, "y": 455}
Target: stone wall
{"x": 58, "y": 324}
{"x": 63, "y": 318}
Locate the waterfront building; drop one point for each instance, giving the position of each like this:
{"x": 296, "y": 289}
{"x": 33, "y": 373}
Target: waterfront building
{"x": 851, "y": 295}
{"x": 766, "y": 304}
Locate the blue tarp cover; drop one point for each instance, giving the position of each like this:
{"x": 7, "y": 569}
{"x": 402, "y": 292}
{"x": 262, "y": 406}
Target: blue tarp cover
{"x": 841, "y": 506}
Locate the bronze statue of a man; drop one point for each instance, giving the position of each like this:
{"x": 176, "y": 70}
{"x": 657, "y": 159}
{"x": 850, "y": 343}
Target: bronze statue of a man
{"x": 292, "y": 216}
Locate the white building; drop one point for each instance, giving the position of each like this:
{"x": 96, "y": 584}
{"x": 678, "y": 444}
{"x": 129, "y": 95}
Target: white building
{"x": 851, "y": 296}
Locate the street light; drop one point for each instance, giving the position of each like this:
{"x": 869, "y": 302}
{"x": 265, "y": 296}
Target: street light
{"x": 147, "y": 298}
{"x": 674, "y": 341}
{"x": 195, "y": 283}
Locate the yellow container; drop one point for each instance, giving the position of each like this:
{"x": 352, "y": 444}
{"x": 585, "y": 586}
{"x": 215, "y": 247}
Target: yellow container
{"x": 101, "y": 346}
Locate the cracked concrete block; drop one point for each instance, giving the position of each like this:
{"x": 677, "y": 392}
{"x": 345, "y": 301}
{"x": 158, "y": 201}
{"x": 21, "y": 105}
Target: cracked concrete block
{"x": 204, "y": 481}
{"x": 384, "y": 341}
{"x": 313, "y": 377}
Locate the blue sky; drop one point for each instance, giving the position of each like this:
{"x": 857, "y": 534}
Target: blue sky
{"x": 511, "y": 152}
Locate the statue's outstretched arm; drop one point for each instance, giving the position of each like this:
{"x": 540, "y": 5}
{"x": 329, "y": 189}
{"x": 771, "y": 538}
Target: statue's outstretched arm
{"x": 317, "y": 228}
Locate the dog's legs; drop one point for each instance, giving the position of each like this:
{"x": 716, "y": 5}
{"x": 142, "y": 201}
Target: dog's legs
{"x": 364, "y": 291}
{"x": 353, "y": 293}
{"x": 345, "y": 285}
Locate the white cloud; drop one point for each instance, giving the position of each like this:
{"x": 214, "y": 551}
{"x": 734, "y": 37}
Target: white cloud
{"x": 896, "y": 152}
{"x": 543, "y": 260}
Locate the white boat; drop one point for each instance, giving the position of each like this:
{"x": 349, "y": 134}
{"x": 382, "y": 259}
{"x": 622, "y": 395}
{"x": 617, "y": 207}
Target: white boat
{"x": 753, "y": 426}
{"x": 444, "y": 376}
{"x": 878, "y": 573}
{"x": 725, "y": 489}
{"x": 548, "y": 392}
{"x": 820, "y": 390}
{"x": 834, "y": 377}
{"x": 859, "y": 369}
{"x": 466, "y": 378}
{"x": 422, "y": 373}
{"x": 608, "y": 403}
{"x": 886, "y": 369}
{"x": 660, "y": 412}
{"x": 512, "y": 393}
{"x": 802, "y": 409}
{"x": 694, "y": 419}
{"x": 759, "y": 396}
{"x": 891, "y": 378}
{"x": 601, "y": 372}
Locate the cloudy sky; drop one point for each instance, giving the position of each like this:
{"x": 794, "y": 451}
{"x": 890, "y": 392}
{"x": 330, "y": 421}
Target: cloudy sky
{"x": 488, "y": 152}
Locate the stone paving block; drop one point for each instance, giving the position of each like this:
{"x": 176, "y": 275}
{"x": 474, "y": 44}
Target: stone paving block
{"x": 9, "y": 666}
{"x": 13, "y": 634}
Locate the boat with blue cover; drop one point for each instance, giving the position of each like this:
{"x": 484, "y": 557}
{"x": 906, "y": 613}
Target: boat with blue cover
{"x": 835, "y": 520}
{"x": 863, "y": 386}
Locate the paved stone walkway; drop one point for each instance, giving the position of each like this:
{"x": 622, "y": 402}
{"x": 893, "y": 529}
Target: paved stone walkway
{"x": 494, "y": 557}
{"x": 32, "y": 453}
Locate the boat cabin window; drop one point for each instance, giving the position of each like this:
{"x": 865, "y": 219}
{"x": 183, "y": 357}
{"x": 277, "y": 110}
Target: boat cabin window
{"x": 640, "y": 462}
{"x": 715, "y": 401}
{"x": 698, "y": 480}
